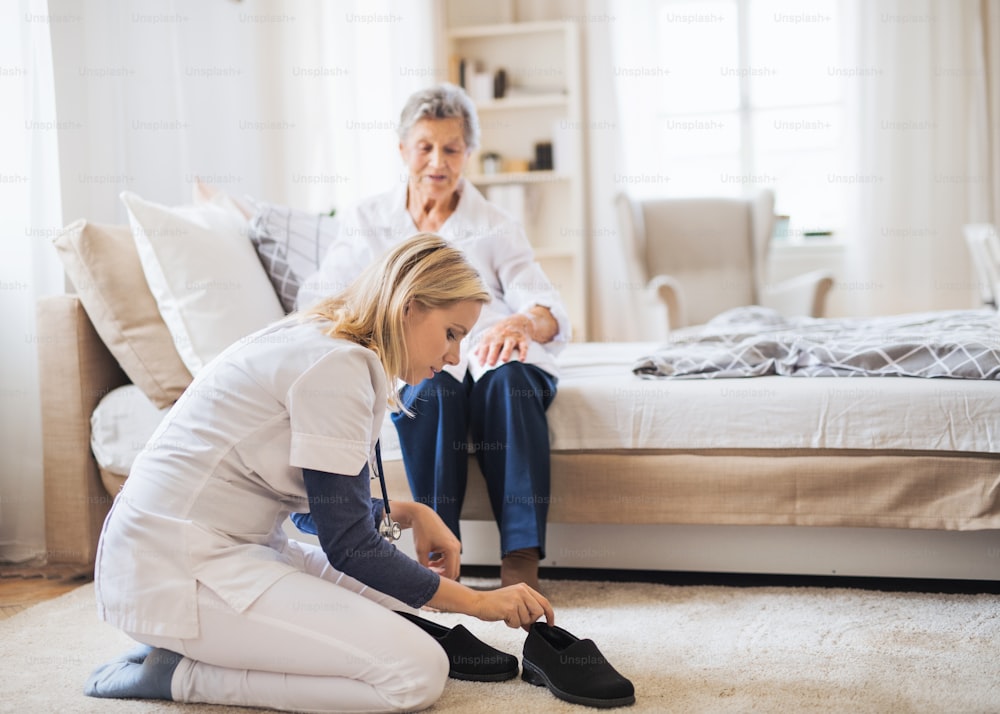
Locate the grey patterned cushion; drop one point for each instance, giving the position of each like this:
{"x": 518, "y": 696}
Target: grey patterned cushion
{"x": 291, "y": 245}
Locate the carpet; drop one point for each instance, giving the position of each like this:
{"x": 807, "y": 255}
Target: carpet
{"x": 686, "y": 648}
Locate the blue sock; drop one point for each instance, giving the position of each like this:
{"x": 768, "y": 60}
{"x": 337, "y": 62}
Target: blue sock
{"x": 137, "y": 654}
{"x": 126, "y": 678}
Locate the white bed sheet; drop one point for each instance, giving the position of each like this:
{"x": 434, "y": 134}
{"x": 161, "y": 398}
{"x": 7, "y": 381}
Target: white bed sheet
{"x": 601, "y": 405}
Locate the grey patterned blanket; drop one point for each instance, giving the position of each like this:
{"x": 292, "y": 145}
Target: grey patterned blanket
{"x": 755, "y": 341}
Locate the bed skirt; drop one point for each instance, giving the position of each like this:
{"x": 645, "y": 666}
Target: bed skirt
{"x": 926, "y": 490}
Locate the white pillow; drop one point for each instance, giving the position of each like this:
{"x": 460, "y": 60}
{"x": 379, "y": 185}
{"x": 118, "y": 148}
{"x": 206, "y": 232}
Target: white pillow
{"x": 125, "y": 419}
{"x": 204, "y": 273}
{"x": 120, "y": 427}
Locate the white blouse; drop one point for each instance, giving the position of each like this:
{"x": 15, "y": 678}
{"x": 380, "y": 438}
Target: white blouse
{"x": 492, "y": 241}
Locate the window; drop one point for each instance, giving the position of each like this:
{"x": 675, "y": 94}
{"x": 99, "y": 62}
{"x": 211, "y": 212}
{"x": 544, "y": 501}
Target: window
{"x": 751, "y": 97}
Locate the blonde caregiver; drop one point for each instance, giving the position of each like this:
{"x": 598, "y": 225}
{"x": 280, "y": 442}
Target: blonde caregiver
{"x": 193, "y": 561}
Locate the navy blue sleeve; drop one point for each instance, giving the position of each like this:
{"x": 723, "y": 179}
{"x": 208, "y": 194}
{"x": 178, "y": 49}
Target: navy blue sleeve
{"x": 341, "y": 509}
{"x": 305, "y": 523}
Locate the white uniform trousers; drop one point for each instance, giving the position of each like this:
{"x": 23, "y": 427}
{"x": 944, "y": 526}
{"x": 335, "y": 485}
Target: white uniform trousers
{"x": 315, "y": 641}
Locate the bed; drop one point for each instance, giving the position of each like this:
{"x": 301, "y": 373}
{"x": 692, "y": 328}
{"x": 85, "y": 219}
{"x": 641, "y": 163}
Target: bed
{"x": 882, "y": 476}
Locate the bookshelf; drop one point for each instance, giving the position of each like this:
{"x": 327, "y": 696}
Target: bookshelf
{"x": 541, "y": 104}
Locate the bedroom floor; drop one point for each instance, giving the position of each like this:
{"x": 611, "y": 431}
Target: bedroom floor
{"x": 24, "y": 585}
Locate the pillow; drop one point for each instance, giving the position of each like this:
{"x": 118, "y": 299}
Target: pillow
{"x": 121, "y": 425}
{"x": 290, "y": 244}
{"x": 203, "y": 271}
{"x": 103, "y": 265}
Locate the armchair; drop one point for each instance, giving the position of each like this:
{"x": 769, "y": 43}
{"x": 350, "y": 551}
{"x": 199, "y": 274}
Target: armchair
{"x": 702, "y": 256}
{"x": 984, "y": 249}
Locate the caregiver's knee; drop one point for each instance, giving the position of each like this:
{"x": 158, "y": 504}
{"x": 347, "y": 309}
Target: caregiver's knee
{"x": 420, "y": 682}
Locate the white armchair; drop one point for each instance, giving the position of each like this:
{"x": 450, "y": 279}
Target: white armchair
{"x": 984, "y": 249}
{"x": 702, "y": 256}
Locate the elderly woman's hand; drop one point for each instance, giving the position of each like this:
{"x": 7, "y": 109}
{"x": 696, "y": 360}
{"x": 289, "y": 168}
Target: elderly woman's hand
{"x": 499, "y": 342}
{"x": 516, "y": 332}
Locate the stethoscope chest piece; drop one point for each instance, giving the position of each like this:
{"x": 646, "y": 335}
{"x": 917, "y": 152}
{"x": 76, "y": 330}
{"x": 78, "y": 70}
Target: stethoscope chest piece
{"x": 388, "y": 528}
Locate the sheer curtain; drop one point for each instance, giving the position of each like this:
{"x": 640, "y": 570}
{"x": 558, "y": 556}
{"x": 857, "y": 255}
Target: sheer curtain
{"x": 342, "y": 72}
{"x": 292, "y": 103}
{"x": 284, "y": 102}
{"x": 922, "y": 97}
{"x": 29, "y": 194}
{"x": 622, "y": 310}
{"x": 925, "y": 125}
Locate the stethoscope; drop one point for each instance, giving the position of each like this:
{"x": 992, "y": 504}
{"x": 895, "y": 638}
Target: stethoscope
{"x": 388, "y": 528}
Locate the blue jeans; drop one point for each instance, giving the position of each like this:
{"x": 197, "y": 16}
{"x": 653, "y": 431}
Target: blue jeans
{"x": 504, "y": 412}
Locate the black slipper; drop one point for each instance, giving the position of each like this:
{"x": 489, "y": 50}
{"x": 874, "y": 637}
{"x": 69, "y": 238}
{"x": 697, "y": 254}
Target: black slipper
{"x": 469, "y": 657}
{"x": 573, "y": 669}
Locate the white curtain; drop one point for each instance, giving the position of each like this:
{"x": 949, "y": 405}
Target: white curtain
{"x": 285, "y": 102}
{"x": 622, "y": 310}
{"x": 152, "y": 95}
{"x": 29, "y": 194}
{"x": 342, "y": 71}
{"x": 923, "y": 128}
{"x": 991, "y": 91}
{"x": 923, "y": 101}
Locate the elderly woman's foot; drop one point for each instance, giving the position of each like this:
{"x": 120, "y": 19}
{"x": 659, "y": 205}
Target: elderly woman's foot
{"x": 520, "y": 566}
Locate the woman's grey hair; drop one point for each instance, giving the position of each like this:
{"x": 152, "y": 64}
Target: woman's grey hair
{"x": 442, "y": 101}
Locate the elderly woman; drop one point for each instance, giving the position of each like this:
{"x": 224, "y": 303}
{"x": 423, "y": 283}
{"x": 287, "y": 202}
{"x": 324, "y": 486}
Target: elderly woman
{"x": 506, "y": 378}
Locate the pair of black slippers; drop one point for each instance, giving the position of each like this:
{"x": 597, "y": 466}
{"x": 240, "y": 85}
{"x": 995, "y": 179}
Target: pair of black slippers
{"x": 573, "y": 669}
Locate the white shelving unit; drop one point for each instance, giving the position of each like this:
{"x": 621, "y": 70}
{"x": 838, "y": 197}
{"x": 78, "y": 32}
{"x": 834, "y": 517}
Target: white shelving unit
{"x": 526, "y": 102}
{"x": 542, "y": 103}
{"x": 506, "y": 177}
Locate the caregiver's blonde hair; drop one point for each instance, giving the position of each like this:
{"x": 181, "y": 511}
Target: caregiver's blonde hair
{"x": 424, "y": 269}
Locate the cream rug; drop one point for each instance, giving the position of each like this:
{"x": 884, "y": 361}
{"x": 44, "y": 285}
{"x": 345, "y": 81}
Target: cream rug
{"x": 687, "y": 649}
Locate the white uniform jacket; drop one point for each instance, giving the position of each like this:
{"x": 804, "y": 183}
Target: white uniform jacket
{"x": 491, "y": 240}
{"x": 206, "y": 499}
